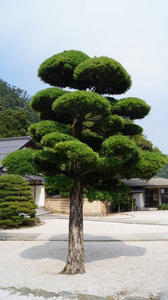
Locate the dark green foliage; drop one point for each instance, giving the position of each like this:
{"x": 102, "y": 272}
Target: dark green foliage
{"x": 51, "y": 139}
{"x": 118, "y": 195}
{"x": 58, "y": 69}
{"x": 99, "y": 195}
{"x": 92, "y": 139}
{"x": 143, "y": 143}
{"x": 75, "y": 151}
{"x": 110, "y": 196}
{"x": 12, "y": 98}
{"x": 121, "y": 153}
{"x": 133, "y": 108}
{"x": 67, "y": 152}
{"x": 115, "y": 124}
{"x": 149, "y": 164}
{"x": 42, "y": 102}
{"x": 21, "y": 162}
{"x": 17, "y": 207}
{"x": 110, "y": 125}
{"x": 13, "y": 123}
{"x": 59, "y": 183}
{"x": 82, "y": 106}
{"x": 163, "y": 206}
{"x": 123, "y": 202}
{"x": 48, "y": 115}
{"x": 47, "y": 160}
{"x": 44, "y": 99}
{"x": 38, "y": 130}
{"x": 103, "y": 75}
{"x": 163, "y": 172}
{"x": 68, "y": 158}
{"x": 131, "y": 129}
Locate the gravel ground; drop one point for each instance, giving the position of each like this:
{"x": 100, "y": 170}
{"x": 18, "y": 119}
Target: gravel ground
{"x": 60, "y": 226}
{"x": 117, "y": 269}
{"x": 131, "y": 270}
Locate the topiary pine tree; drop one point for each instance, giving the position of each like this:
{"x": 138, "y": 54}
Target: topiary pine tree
{"x": 87, "y": 137}
{"x": 17, "y": 207}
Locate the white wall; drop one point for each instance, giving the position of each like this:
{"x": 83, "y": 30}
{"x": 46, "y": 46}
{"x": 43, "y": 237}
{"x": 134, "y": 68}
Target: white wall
{"x": 139, "y": 200}
{"x": 40, "y": 195}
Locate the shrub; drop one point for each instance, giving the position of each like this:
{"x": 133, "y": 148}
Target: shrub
{"x": 163, "y": 206}
{"x": 17, "y": 207}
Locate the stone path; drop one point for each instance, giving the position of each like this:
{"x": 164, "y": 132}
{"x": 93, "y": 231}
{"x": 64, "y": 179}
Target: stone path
{"x": 39, "y": 294}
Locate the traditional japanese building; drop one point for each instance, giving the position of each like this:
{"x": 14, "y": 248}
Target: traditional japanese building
{"x": 148, "y": 194}
{"x": 8, "y": 145}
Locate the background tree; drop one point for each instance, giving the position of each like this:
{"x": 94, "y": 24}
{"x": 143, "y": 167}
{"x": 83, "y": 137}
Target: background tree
{"x": 87, "y": 137}
{"x": 17, "y": 207}
{"x": 15, "y": 111}
{"x": 13, "y": 123}
{"x": 163, "y": 172}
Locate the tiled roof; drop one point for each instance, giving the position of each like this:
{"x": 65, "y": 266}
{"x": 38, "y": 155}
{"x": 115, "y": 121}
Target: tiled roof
{"x": 29, "y": 178}
{"x": 34, "y": 178}
{"x": 8, "y": 145}
{"x": 155, "y": 181}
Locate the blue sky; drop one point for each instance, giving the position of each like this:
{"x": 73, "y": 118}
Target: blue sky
{"x": 133, "y": 32}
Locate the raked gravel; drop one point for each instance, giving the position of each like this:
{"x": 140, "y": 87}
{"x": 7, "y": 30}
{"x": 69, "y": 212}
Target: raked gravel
{"x": 118, "y": 269}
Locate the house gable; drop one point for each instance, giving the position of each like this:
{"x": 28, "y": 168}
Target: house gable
{"x": 8, "y": 145}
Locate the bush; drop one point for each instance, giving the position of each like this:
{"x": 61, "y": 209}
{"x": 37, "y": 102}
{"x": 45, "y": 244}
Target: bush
{"x": 163, "y": 207}
{"x": 17, "y": 207}
{"x": 123, "y": 203}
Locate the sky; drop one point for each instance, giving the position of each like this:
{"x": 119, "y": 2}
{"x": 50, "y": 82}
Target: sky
{"x": 133, "y": 32}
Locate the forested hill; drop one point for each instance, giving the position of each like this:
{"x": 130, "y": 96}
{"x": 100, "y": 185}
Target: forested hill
{"x": 15, "y": 113}
{"x": 163, "y": 172}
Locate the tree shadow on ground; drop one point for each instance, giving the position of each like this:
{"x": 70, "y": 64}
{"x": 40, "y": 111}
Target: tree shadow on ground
{"x": 94, "y": 250}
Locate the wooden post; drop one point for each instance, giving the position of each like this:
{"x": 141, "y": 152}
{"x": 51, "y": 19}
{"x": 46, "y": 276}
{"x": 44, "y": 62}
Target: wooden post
{"x": 160, "y": 196}
{"x": 132, "y": 202}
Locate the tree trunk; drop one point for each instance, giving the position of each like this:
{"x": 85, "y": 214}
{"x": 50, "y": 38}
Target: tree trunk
{"x": 118, "y": 206}
{"x": 75, "y": 259}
